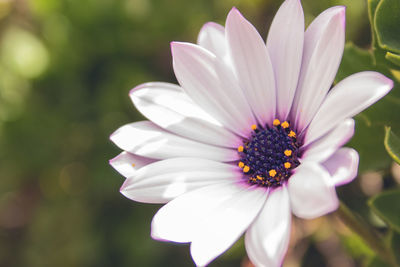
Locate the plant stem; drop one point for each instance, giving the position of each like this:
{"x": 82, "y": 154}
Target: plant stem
{"x": 367, "y": 233}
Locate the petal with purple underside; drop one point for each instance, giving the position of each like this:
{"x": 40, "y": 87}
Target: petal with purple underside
{"x": 170, "y": 108}
{"x": 148, "y": 140}
{"x": 349, "y": 97}
{"x": 267, "y": 239}
{"x": 165, "y": 180}
{"x": 285, "y": 46}
{"x": 312, "y": 191}
{"x": 252, "y": 66}
{"x": 212, "y": 86}
{"x": 323, "y": 49}
{"x": 128, "y": 164}
{"x": 325, "y": 146}
{"x": 342, "y": 166}
{"x": 212, "y": 218}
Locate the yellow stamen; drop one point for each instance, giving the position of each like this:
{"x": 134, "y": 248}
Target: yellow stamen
{"x": 240, "y": 148}
{"x": 241, "y": 164}
{"x": 285, "y": 124}
{"x": 292, "y": 134}
{"x": 253, "y": 127}
{"x": 272, "y": 173}
{"x": 246, "y": 169}
{"x": 276, "y": 122}
{"x": 287, "y": 165}
{"x": 288, "y": 152}
{"x": 259, "y": 177}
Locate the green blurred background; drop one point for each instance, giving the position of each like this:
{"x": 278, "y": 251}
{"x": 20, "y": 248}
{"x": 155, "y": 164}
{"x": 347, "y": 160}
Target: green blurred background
{"x": 66, "y": 67}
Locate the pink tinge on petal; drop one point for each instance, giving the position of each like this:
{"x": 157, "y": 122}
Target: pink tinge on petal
{"x": 128, "y": 164}
{"x": 212, "y": 218}
{"x": 167, "y": 179}
{"x": 212, "y": 85}
{"x": 342, "y": 166}
{"x": 323, "y": 48}
{"x": 312, "y": 191}
{"x": 212, "y": 38}
{"x": 168, "y": 106}
{"x": 267, "y": 239}
{"x": 349, "y": 97}
{"x": 252, "y": 66}
{"x": 285, "y": 45}
{"x": 325, "y": 146}
{"x": 148, "y": 140}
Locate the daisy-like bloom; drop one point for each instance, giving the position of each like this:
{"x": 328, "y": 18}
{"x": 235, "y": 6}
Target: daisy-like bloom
{"x": 252, "y": 134}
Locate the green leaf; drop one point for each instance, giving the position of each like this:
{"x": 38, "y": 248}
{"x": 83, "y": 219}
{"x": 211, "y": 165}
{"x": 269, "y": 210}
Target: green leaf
{"x": 394, "y": 58}
{"x": 395, "y": 245}
{"x": 386, "y": 22}
{"x": 386, "y": 205}
{"x": 392, "y": 144}
{"x": 372, "y": 5}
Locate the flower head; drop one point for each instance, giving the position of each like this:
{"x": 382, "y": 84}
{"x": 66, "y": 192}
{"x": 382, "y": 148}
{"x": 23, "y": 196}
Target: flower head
{"x": 253, "y": 134}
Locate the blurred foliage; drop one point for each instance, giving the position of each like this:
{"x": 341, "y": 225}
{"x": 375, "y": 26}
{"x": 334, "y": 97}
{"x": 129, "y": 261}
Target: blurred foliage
{"x": 66, "y": 67}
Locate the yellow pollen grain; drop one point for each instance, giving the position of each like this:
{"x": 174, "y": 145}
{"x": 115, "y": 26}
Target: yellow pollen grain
{"x": 276, "y": 122}
{"x": 292, "y": 134}
{"x": 287, "y": 165}
{"x": 259, "y": 177}
{"x": 241, "y": 164}
{"x": 288, "y": 152}
{"x": 246, "y": 169}
{"x": 133, "y": 164}
{"x": 240, "y": 148}
{"x": 285, "y": 124}
{"x": 272, "y": 173}
{"x": 253, "y": 127}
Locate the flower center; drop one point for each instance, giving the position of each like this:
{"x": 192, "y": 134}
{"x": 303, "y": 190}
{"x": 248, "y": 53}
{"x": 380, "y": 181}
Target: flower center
{"x": 270, "y": 154}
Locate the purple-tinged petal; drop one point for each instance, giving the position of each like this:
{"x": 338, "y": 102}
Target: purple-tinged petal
{"x": 170, "y": 108}
{"x": 267, "y": 239}
{"x": 252, "y": 66}
{"x": 212, "y": 38}
{"x": 148, "y": 140}
{"x": 167, "y": 179}
{"x": 312, "y": 191}
{"x": 128, "y": 164}
{"x": 323, "y": 49}
{"x": 325, "y": 146}
{"x": 212, "y": 218}
{"x": 349, "y": 97}
{"x": 342, "y": 166}
{"x": 212, "y": 86}
{"x": 285, "y": 46}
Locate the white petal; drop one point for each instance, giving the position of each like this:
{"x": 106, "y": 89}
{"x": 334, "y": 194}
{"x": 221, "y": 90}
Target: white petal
{"x": 148, "y": 140}
{"x": 346, "y": 99}
{"x": 164, "y": 180}
{"x": 324, "y": 147}
{"x": 212, "y": 38}
{"x": 212, "y": 85}
{"x": 252, "y": 65}
{"x": 170, "y": 108}
{"x": 268, "y": 237}
{"x": 127, "y": 164}
{"x": 285, "y": 46}
{"x": 212, "y": 218}
{"x": 312, "y": 191}
{"x": 342, "y": 166}
{"x": 323, "y": 49}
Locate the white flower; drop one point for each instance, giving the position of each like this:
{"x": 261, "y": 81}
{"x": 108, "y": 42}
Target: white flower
{"x": 252, "y": 134}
